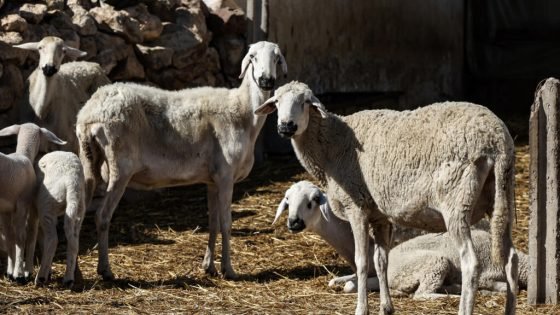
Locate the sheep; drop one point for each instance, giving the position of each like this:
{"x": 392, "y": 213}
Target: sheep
{"x": 151, "y": 138}
{"x": 432, "y": 257}
{"x": 437, "y": 168}
{"x": 308, "y": 211}
{"x": 18, "y": 182}
{"x": 60, "y": 191}
{"x": 56, "y": 92}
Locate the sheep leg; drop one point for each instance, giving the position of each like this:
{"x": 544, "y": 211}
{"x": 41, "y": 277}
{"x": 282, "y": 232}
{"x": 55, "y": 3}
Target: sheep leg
{"x": 32, "y": 228}
{"x": 50, "y": 241}
{"x": 432, "y": 276}
{"x": 506, "y": 192}
{"x": 225, "y": 193}
{"x": 20, "y": 220}
{"x": 115, "y": 190}
{"x": 9, "y": 238}
{"x": 512, "y": 275}
{"x": 382, "y": 237}
{"x": 372, "y": 285}
{"x": 72, "y": 223}
{"x": 359, "y": 224}
{"x": 213, "y": 227}
{"x": 342, "y": 280}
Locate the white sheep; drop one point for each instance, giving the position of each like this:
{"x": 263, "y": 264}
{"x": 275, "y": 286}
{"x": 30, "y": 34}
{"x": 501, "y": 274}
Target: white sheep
{"x": 18, "y": 182}
{"x": 61, "y": 191}
{"x": 152, "y": 138}
{"x": 420, "y": 266}
{"x": 56, "y": 91}
{"x": 440, "y": 167}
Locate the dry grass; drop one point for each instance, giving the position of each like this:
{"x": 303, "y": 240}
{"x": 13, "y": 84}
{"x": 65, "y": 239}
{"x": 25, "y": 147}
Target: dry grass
{"x": 157, "y": 249}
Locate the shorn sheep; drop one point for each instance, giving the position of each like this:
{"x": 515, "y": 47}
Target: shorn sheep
{"x": 152, "y": 138}
{"x": 424, "y": 267}
{"x": 60, "y": 191}
{"x": 440, "y": 167}
{"x": 56, "y": 91}
{"x": 18, "y": 182}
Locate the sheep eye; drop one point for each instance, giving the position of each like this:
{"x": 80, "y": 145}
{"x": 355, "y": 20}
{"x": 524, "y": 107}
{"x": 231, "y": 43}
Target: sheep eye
{"x": 309, "y": 205}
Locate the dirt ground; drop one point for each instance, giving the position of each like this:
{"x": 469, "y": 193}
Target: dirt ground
{"x": 156, "y": 250}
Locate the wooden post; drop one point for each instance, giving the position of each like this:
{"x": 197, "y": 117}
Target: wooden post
{"x": 544, "y": 226}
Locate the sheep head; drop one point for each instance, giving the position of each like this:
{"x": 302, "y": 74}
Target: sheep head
{"x": 52, "y": 51}
{"x": 263, "y": 56}
{"x": 306, "y": 205}
{"x": 293, "y": 102}
{"x": 30, "y": 138}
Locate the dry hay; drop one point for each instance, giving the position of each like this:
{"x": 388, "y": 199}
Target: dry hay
{"x": 157, "y": 249}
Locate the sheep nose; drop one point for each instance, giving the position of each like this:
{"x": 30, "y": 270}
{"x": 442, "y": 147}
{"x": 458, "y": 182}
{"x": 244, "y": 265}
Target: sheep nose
{"x": 287, "y": 129}
{"x": 296, "y": 224}
{"x": 266, "y": 84}
{"x": 49, "y": 70}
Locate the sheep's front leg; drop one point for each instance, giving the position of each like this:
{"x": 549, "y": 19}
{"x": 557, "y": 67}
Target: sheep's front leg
{"x": 360, "y": 225}
{"x": 225, "y": 193}
{"x": 213, "y": 227}
{"x": 382, "y": 237}
{"x": 10, "y": 246}
{"x": 20, "y": 220}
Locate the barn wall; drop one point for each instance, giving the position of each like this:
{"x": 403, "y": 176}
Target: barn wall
{"x": 413, "y": 47}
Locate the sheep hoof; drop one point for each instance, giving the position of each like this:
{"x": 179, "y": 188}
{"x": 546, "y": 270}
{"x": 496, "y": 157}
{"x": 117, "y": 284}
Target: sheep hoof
{"x": 211, "y": 270}
{"x": 106, "y": 275}
{"x": 386, "y": 309}
{"x": 69, "y": 284}
{"x": 21, "y": 280}
{"x": 40, "y": 281}
{"x": 230, "y": 275}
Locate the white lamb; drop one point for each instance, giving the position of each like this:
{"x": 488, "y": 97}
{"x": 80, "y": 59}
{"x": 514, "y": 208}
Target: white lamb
{"x": 18, "y": 182}
{"x": 424, "y": 267}
{"x": 61, "y": 191}
{"x": 152, "y": 138}
{"x": 440, "y": 167}
{"x": 56, "y": 92}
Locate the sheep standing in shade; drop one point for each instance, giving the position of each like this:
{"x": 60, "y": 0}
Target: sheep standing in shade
{"x": 425, "y": 267}
{"x": 61, "y": 191}
{"x": 152, "y": 138}
{"x": 439, "y": 168}
{"x": 18, "y": 182}
{"x": 56, "y": 91}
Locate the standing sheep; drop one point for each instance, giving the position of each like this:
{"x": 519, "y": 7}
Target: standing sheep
{"x": 152, "y": 138}
{"x": 18, "y": 182}
{"x": 56, "y": 91}
{"x": 422, "y": 266}
{"x": 440, "y": 167}
{"x": 61, "y": 191}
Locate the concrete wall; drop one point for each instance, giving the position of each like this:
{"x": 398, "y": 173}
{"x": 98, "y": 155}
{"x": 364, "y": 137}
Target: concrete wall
{"x": 413, "y": 47}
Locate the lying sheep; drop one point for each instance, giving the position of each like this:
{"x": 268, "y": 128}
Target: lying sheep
{"x": 151, "y": 138}
{"x": 61, "y": 191}
{"x": 56, "y": 92}
{"x": 422, "y": 266}
{"x": 18, "y": 183}
{"x": 440, "y": 167}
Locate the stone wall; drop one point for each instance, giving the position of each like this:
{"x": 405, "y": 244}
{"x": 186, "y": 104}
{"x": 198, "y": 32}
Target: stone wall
{"x": 161, "y": 42}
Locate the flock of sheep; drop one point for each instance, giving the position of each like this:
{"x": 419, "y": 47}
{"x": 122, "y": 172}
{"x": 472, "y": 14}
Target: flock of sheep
{"x": 439, "y": 168}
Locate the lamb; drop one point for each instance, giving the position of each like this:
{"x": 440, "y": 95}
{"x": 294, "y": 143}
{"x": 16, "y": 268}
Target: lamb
{"x": 440, "y": 167}
{"x": 150, "y": 138}
{"x": 56, "y": 92}
{"x": 61, "y": 191}
{"x": 432, "y": 257}
{"x": 18, "y": 184}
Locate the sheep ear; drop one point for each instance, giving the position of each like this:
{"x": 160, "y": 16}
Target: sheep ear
{"x": 282, "y": 61}
{"x": 52, "y": 137}
{"x": 267, "y": 107}
{"x": 245, "y": 64}
{"x": 281, "y": 207}
{"x": 324, "y": 206}
{"x": 73, "y": 52}
{"x": 319, "y": 106}
{"x": 28, "y": 46}
{"x": 11, "y": 130}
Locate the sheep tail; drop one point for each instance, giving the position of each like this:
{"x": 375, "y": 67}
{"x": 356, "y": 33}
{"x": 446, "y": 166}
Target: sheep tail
{"x": 504, "y": 208}
{"x": 91, "y": 157}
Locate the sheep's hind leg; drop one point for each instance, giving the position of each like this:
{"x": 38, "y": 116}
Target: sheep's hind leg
{"x": 6, "y": 219}
{"x": 50, "y": 240}
{"x": 213, "y": 227}
{"x": 225, "y": 193}
{"x": 72, "y": 223}
{"x": 20, "y": 220}
{"x": 382, "y": 236}
{"x": 431, "y": 276}
{"x": 115, "y": 190}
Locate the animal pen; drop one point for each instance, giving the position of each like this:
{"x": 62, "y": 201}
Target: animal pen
{"x": 354, "y": 56}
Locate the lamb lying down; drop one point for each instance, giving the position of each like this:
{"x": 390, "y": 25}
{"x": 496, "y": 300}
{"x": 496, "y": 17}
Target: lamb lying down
{"x": 427, "y": 266}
